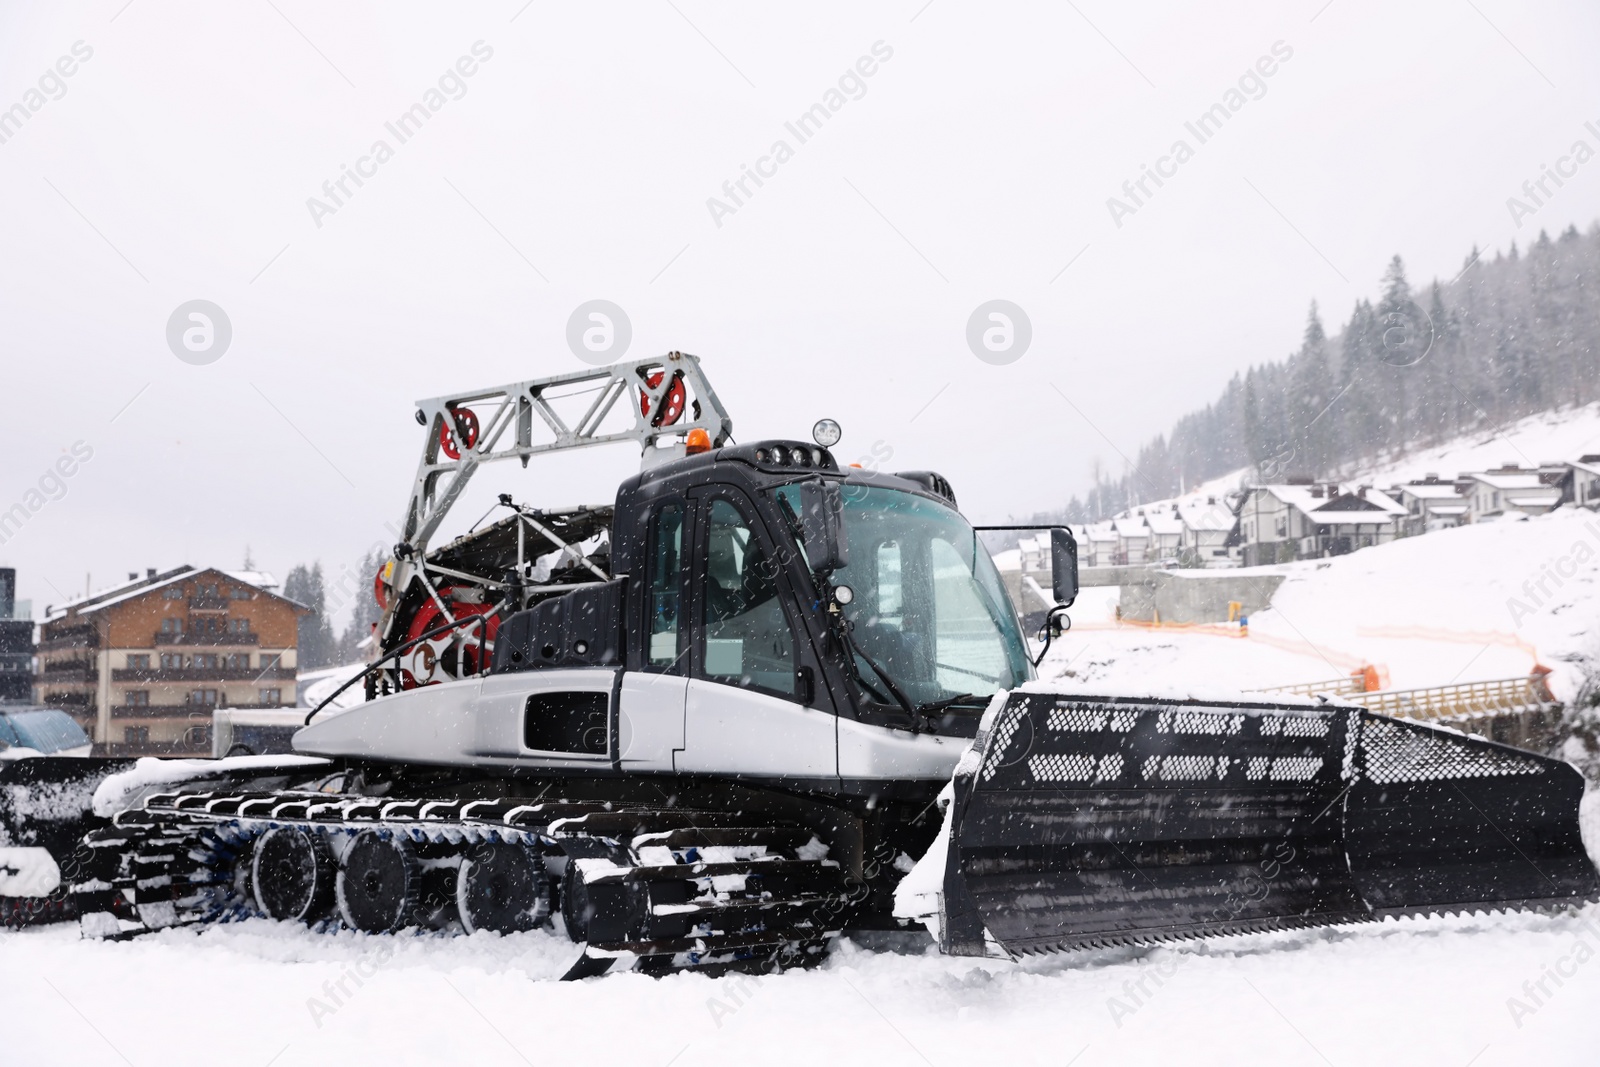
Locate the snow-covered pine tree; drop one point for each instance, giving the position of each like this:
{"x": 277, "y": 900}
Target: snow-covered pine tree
{"x": 305, "y": 586}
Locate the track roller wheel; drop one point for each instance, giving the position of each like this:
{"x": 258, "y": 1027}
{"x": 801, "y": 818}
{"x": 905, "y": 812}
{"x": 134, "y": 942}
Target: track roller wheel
{"x": 292, "y": 875}
{"x": 380, "y": 884}
{"x": 503, "y": 888}
{"x": 602, "y": 912}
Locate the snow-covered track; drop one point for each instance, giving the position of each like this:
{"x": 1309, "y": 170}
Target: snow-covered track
{"x": 664, "y": 888}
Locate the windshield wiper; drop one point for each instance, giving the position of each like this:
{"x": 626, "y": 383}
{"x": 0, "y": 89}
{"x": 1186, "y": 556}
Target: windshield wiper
{"x": 889, "y": 683}
{"x": 934, "y": 707}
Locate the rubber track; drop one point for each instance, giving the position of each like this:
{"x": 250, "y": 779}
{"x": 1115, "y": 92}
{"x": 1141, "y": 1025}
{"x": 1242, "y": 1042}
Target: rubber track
{"x": 177, "y": 858}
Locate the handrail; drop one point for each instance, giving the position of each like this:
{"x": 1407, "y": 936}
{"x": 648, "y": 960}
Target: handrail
{"x": 403, "y": 649}
{"x": 1346, "y": 686}
{"x": 1467, "y": 698}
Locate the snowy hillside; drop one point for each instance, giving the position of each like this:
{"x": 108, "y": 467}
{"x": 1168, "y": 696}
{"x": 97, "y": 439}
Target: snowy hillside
{"x": 1457, "y": 605}
{"x": 1453, "y": 606}
{"x": 1549, "y": 436}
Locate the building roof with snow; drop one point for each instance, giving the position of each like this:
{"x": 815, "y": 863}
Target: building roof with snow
{"x": 136, "y": 586}
{"x": 1428, "y": 490}
{"x": 1130, "y": 526}
{"x": 1206, "y": 514}
{"x": 1516, "y": 481}
{"x": 1165, "y": 523}
{"x": 1328, "y": 504}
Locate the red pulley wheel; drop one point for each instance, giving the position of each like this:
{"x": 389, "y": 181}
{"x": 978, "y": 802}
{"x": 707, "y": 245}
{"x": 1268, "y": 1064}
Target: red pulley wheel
{"x": 467, "y": 423}
{"x": 672, "y": 403}
{"x": 419, "y": 665}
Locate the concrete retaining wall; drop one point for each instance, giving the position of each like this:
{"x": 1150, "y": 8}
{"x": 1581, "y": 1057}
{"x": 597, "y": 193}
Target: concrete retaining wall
{"x": 1195, "y": 595}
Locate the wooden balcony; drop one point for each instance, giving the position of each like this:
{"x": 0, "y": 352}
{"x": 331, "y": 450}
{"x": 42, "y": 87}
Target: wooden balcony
{"x": 79, "y": 637}
{"x": 82, "y": 676}
{"x": 161, "y": 675}
{"x": 207, "y": 640}
{"x": 192, "y": 714}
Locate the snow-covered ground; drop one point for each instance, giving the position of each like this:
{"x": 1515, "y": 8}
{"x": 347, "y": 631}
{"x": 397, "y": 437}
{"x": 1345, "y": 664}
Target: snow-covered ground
{"x": 1414, "y": 992}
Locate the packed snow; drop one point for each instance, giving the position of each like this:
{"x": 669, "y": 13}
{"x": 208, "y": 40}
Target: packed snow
{"x": 1447, "y": 991}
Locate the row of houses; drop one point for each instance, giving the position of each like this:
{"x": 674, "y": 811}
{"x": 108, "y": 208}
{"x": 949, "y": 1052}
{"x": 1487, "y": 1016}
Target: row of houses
{"x": 1304, "y": 519}
{"x": 1192, "y": 531}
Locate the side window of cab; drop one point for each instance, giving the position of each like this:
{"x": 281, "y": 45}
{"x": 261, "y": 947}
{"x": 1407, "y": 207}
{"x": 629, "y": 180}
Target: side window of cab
{"x": 748, "y": 641}
{"x": 665, "y": 644}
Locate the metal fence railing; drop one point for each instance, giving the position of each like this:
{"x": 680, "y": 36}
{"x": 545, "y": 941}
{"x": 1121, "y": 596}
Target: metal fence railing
{"x": 1334, "y": 687}
{"x": 1469, "y": 698}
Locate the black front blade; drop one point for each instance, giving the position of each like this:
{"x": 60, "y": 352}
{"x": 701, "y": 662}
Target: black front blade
{"x": 1439, "y": 821}
{"x": 1087, "y": 822}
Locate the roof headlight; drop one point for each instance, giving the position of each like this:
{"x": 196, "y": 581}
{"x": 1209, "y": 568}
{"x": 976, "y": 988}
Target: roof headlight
{"x": 801, "y": 456}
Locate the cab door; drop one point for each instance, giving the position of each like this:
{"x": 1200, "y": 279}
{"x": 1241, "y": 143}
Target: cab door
{"x": 753, "y": 677}
{"x": 653, "y": 691}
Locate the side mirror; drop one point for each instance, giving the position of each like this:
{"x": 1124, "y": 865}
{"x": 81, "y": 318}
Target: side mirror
{"x": 822, "y": 525}
{"x": 1063, "y": 565}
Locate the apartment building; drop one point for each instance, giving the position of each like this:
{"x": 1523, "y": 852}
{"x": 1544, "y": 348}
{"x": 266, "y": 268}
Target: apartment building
{"x": 142, "y": 666}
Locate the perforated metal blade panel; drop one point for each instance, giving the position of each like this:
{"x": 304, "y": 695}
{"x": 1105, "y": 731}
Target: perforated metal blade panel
{"x": 1097, "y": 821}
{"x": 1440, "y": 822}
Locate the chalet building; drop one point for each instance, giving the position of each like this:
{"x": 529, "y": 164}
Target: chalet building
{"x": 1097, "y": 544}
{"x": 1279, "y": 523}
{"x": 1206, "y": 526}
{"x": 1580, "y": 484}
{"x": 1510, "y": 488}
{"x": 142, "y": 666}
{"x": 16, "y": 644}
{"x": 1133, "y": 540}
{"x": 1431, "y": 504}
{"x": 1166, "y": 533}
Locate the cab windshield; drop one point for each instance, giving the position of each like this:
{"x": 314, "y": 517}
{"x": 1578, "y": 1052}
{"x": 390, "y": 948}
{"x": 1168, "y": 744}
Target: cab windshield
{"x": 929, "y": 608}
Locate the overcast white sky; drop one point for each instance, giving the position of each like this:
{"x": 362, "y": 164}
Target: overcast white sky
{"x": 577, "y": 165}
